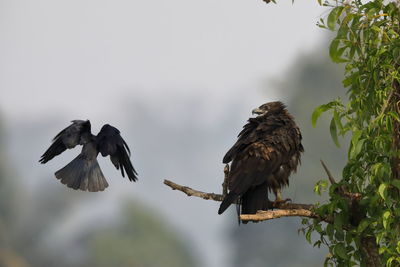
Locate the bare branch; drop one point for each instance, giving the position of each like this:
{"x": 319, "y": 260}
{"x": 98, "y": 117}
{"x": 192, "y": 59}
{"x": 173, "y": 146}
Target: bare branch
{"x": 330, "y": 177}
{"x": 274, "y": 214}
{"x": 191, "y": 192}
{"x": 217, "y": 197}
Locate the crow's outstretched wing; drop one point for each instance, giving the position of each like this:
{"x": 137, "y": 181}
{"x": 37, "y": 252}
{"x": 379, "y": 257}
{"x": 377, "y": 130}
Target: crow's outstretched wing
{"x": 67, "y": 138}
{"x": 110, "y": 143}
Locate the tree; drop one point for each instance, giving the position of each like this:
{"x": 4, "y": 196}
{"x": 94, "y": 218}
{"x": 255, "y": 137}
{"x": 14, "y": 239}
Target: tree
{"x": 363, "y": 209}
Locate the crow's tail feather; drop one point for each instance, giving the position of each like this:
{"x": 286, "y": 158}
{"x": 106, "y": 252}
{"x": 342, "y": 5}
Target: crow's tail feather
{"x": 83, "y": 174}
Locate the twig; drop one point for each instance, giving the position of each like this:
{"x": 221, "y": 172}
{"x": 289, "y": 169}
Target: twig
{"x": 191, "y": 192}
{"x": 330, "y": 177}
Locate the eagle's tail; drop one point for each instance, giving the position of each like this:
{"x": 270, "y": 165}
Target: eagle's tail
{"x": 228, "y": 200}
{"x": 83, "y": 174}
{"x": 255, "y": 199}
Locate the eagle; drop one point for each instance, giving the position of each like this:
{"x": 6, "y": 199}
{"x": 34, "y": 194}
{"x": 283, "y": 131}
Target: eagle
{"x": 84, "y": 172}
{"x": 267, "y": 151}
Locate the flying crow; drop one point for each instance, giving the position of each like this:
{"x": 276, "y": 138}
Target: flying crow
{"x": 84, "y": 172}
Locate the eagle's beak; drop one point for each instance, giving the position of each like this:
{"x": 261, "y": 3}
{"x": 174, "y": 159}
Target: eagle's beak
{"x": 257, "y": 111}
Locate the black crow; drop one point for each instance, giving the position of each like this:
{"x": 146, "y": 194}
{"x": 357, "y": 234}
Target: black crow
{"x": 84, "y": 172}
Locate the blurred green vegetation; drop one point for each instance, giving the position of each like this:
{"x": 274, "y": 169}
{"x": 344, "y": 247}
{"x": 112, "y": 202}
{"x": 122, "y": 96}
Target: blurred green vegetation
{"x": 140, "y": 239}
{"x": 310, "y": 81}
{"x": 28, "y": 219}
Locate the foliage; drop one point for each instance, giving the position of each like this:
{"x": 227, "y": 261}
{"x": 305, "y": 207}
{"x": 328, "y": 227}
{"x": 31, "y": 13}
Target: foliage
{"x": 367, "y": 41}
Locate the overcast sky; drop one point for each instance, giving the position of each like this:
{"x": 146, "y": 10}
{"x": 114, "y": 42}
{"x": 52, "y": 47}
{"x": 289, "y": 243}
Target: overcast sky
{"x": 81, "y": 56}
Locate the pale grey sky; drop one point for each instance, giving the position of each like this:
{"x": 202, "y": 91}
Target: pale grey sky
{"x": 76, "y": 56}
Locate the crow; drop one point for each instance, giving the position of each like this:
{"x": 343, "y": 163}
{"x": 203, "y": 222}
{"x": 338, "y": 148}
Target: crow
{"x": 84, "y": 172}
{"x": 267, "y": 151}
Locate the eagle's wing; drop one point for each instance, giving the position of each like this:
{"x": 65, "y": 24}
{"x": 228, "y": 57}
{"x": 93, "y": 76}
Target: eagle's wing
{"x": 250, "y": 168}
{"x": 67, "y": 138}
{"x": 110, "y": 143}
{"x": 250, "y": 133}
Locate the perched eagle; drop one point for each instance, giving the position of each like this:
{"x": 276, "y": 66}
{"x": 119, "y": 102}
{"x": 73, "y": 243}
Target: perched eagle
{"x": 84, "y": 172}
{"x": 267, "y": 151}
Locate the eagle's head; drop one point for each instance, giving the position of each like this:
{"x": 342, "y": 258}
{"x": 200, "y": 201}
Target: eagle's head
{"x": 269, "y": 108}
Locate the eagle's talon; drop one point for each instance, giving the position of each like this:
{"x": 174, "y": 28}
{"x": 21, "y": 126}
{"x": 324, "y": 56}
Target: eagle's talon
{"x": 279, "y": 202}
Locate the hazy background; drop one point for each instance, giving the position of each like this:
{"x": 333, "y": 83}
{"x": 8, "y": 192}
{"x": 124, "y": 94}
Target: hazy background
{"x": 179, "y": 79}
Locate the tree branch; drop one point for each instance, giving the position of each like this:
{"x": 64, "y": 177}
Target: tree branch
{"x": 217, "y": 197}
{"x": 342, "y": 190}
{"x": 263, "y": 215}
{"x": 285, "y": 209}
{"x": 192, "y": 192}
{"x": 371, "y": 251}
{"x": 330, "y": 177}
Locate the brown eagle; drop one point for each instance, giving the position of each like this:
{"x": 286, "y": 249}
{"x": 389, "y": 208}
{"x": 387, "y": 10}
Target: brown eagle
{"x": 267, "y": 151}
{"x": 84, "y": 172}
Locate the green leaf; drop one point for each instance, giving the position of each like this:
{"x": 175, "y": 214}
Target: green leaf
{"x": 376, "y": 28}
{"x": 320, "y": 186}
{"x": 335, "y": 52}
{"x": 390, "y": 261}
{"x": 317, "y": 243}
{"x": 356, "y": 149}
{"x": 308, "y": 235}
{"x": 319, "y": 110}
{"x": 394, "y": 115}
{"x": 333, "y": 17}
{"x": 338, "y": 222}
{"x": 386, "y": 216}
{"x": 338, "y": 120}
{"x": 333, "y": 130}
{"x": 382, "y": 191}
{"x": 340, "y": 251}
{"x": 363, "y": 225}
{"x": 356, "y": 135}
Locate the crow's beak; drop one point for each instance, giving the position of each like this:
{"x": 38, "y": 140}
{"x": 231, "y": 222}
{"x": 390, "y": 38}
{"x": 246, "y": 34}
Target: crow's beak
{"x": 257, "y": 111}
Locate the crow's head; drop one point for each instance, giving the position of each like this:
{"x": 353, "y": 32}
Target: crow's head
{"x": 269, "y": 108}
